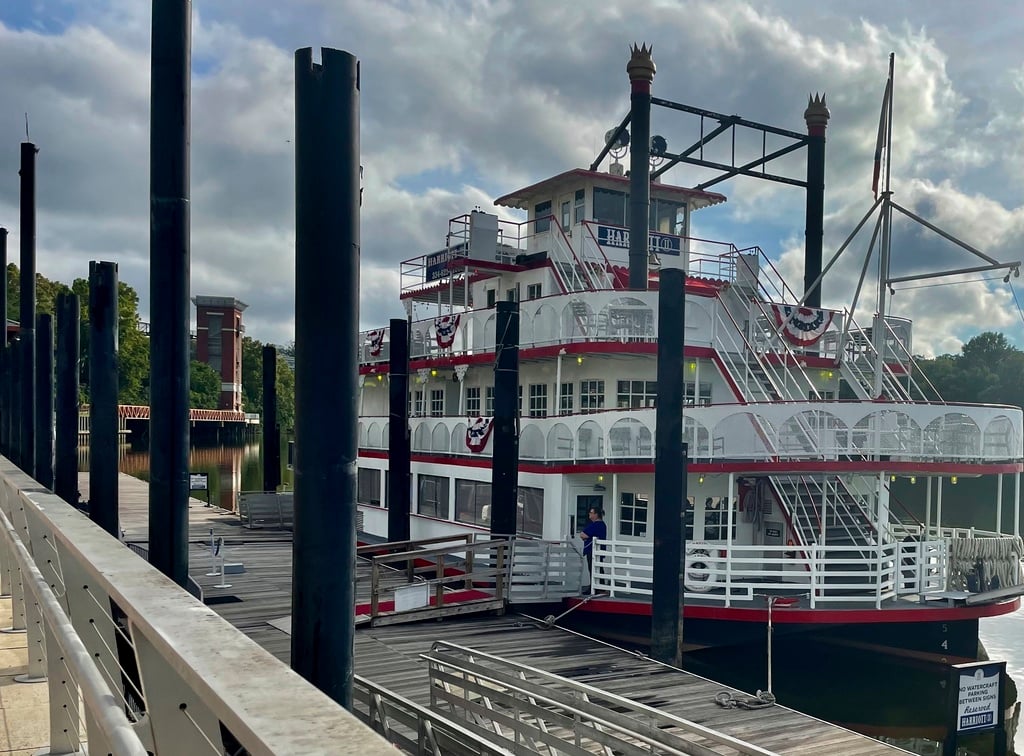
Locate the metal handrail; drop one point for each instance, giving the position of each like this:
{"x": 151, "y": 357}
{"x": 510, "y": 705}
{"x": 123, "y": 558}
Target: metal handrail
{"x": 190, "y": 660}
{"x": 607, "y": 710}
{"x": 103, "y": 708}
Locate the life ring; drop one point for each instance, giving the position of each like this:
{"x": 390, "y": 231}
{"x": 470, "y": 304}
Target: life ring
{"x": 697, "y": 577}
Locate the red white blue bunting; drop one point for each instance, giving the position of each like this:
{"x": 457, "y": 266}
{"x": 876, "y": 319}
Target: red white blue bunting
{"x": 445, "y": 328}
{"x": 803, "y": 325}
{"x": 376, "y": 341}
{"x": 478, "y": 433}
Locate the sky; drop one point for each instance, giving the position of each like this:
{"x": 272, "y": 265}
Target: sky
{"x": 465, "y": 100}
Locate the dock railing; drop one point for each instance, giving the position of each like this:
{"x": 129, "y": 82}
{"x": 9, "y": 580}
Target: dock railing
{"x": 727, "y": 573}
{"x": 461, "y": 577}
{"x": 153, "y": 669}
{"x": 540, "y": 712}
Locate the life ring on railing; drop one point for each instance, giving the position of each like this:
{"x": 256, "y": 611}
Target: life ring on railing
{"x": 697, "y": 577}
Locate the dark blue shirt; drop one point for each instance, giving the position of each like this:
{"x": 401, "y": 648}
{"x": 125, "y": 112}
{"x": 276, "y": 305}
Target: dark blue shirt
{"x": 596, "y": 529}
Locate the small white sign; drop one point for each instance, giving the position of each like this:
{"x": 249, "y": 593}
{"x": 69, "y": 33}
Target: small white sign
{"x": 198, "y": 482}
{"x": 977, "y": 705}
{"x": 412, "y": 597}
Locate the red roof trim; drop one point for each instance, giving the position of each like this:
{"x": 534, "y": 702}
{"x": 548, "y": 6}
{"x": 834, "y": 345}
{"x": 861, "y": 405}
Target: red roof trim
{"x": 514, "y": 199}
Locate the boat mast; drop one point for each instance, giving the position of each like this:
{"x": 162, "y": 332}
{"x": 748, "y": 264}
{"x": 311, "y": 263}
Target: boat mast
{"x": 878, "y": 331}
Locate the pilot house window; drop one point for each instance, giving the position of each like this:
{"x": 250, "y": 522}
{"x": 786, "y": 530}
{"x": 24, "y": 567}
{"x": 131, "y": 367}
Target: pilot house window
{"x": 542, "y": 216}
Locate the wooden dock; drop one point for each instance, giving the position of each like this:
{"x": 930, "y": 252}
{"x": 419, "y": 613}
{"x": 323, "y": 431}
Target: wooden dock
{"x": 390, "y": 656}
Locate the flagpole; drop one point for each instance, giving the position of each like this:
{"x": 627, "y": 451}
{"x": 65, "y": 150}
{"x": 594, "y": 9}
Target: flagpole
{"x": 879, "y": 330}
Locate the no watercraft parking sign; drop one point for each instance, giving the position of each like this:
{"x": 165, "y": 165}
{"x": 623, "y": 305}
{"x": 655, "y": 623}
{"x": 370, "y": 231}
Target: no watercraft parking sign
{"x": 978, "y": 689}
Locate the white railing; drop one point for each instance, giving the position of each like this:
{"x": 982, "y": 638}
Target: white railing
{"x": 724, "y": 573}
{"x": 166, "y": 674}
{"x": 784, "y": 430}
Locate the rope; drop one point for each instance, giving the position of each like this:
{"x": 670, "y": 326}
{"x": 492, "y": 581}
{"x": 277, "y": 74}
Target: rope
{"x": 728, "y": 700}
{"x": 996, "y": 561}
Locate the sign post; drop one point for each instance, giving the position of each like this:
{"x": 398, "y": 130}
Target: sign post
{"x": 977, "y": 703}
{"x": 200, "y": 482}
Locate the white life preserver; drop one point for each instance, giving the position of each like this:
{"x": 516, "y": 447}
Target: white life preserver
{"x": 697, "y": 577}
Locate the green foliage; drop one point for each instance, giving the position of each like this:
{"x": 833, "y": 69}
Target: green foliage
{"x": 204, "y": 386}
{"x": 252, "y": 382}
{"x": 987, "y": 370}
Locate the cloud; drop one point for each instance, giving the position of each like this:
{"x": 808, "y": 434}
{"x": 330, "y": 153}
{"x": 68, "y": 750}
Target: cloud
{"x": 464, "y": 100}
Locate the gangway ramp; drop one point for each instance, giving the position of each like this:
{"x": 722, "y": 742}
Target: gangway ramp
{"x": 393, "y": 658}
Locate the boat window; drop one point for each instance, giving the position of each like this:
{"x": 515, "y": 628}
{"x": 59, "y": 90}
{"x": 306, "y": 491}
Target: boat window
{"x": 433, "y": 496}
{"x": 703, "y": 399}
{"x": 368, "y": 486}
{"x": 416, "y": 409}
{"x": 542, "y": 216}
{"x": 610, "y": 206}
{"x": 473, "y": 401}
{"x": 533, "y": 291}
{"x": 538, "y": 400}
{"x": 716, "y": 519}
{"x": 579, "y": 210}
{"x": 489, "y": 402}
{"x": 473, "y": 502}
{"x": 665, "y": 216}
{"x": 636, "y": 394}
{"x": 565, "y": 399}
{"x": 437, "y": 402}
{"x": 633, "y": 510}
{"x": 492, "y": 296}
{"x": 591, "y": 396}
{"x": 566, "y": 207}
{"x": 688, "y": 519}
{"x": 510, "y": 295}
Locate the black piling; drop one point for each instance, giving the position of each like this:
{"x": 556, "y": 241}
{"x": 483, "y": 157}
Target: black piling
{"x": 169, "y": 253}
{"x": 103, "y": 431}
{"x": 68, "y": 353}
{"x": 670, "y": 467}
{"x": 399, "y": 441}
{"x": 27, "y": 396}
{"x": 641, "y": 75}
{"x": 13, "y": 396}
{"x": 326, "y": 372}
{"x": 271, "y": 428}
{"x": 505, "y": 441}
{"x": 44, "y": 400}
{"x": 816, "y": 116}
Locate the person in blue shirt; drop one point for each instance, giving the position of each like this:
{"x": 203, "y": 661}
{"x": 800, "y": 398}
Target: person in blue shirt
{"x": 595, "y": 529}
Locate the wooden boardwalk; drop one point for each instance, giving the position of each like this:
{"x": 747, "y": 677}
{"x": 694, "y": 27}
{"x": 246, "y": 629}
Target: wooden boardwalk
{"x": 389, "y": 656}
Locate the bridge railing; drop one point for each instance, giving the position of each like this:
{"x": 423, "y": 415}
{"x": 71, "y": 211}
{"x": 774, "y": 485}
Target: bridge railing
{"x": 154, "y": 669}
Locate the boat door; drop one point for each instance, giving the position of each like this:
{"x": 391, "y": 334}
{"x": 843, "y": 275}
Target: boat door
{"x": 579, "y": 519}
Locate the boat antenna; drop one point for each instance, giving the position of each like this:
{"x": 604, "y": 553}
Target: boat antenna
{"x": 884, "y": 133}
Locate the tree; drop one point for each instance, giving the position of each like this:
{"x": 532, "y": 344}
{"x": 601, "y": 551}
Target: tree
{"x": 204, "y": 388}
{"x": 987, "y": 370}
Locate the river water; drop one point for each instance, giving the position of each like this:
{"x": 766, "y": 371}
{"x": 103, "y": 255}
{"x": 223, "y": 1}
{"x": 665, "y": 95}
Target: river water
{"x": 894, "y": 700}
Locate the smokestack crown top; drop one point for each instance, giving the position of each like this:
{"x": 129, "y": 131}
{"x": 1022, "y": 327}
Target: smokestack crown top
{"x": 817, "y": 111}
{"x": 641, "y": 65}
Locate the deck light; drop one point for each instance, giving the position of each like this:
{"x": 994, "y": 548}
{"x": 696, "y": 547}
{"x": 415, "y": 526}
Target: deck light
{"x": 892, "y": 478}
{"x": 700, "y": 480}
{"x": 380, "y": 377}
{"x": 579, "y": 360}
{"x": 693, "y": 367}
{"x": 433, "y": 373}
{"x": 953, "y": 480}
{"x": 913, "y": 480}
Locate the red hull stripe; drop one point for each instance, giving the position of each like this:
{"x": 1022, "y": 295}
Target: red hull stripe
{"x": 782, "y": 616}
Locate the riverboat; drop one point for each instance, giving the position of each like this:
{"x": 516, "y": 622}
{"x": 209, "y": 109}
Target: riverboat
{"x": 797, "y": 419}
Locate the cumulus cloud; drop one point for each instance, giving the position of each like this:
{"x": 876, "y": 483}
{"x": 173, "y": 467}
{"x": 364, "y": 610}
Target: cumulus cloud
{"x": 467, "y": 99}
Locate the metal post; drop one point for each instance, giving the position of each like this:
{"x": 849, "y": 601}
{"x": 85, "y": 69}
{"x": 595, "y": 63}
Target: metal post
{"x": 271, "y": 430}
{"x": 44, "y": 400}
{"x": 103, "y": 431}
{"x": 326, "y": 373}
{"x": 641, "y": 75}
{"x": 27, "y": 397}
{"x": 169, "y": 252}
{"x": 399, "y": 444}
{"x": 816, "y": 116}
{"x": 13, "y": 396}
{"x": 505, "y": 441}
{"x": 670, "y": 469}
{"x": 68, "y": 353}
